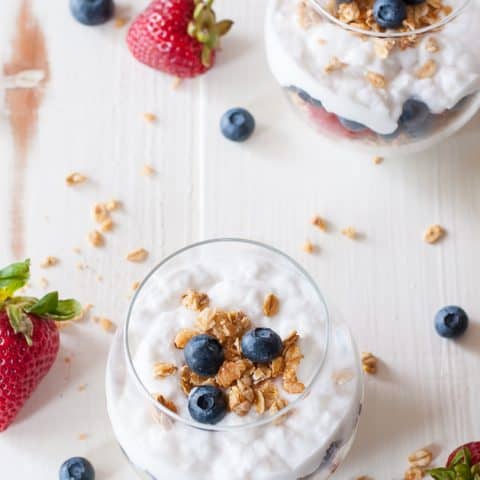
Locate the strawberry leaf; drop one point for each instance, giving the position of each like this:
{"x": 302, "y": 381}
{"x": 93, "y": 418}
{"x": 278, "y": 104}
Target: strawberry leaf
{"x": 46, "y": 304}
{"x": 51, "y": 307}
{"x": 12, "y": 278}
{"x": 442, "y": 474}
{"x": 20, "y": 322}
{"x": 463, "y": 456}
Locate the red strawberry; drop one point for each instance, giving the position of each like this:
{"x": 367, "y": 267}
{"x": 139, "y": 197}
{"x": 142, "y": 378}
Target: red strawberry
{"x": 463, "y": 464}
{"x": 29, "y": 339}
{"x": 179, "y": 37}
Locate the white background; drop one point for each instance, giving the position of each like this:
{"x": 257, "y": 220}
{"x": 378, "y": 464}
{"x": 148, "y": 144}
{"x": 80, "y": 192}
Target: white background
{"x": 388, "y": 285}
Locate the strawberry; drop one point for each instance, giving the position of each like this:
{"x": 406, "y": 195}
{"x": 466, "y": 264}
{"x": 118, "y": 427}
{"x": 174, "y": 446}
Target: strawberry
{"x": 178, "y": 37}
{"x": 463, "y": 464}
{"x": 29, "y": 339}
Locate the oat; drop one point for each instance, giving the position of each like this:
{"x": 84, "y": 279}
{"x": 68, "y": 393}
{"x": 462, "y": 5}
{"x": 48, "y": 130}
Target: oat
{"x": 176, "y": 83}
{"x": 184, "y": 336}
{"x": 377, "y": 160}
{"x": 195, "y": 301}
{"x": 105, "y": 323}
{"x": 82, "y": 388}
{"x": 306, "y": 16}
{"x": 269, "y": 392}
{"x": 148, "y": 171}
{"x": 271, "y": 305}
{"x": 348, "y": 12}
{"x": 420, "y": 458}
{"x": 96, "y": 239}
{"x": 369, "y": 363}
{"x": 308, "y": 247}
{"x": 433, "y": 234}
{"x": 427, "y": 70}
{"x": 292, "y": 358}
{"x": 166, "y": 403}
{"x": 150, "y": 117}
{"x": 164, "y": 369}
{"x": 107, "y": 225}
{"x": 377, "y": 80}
{"x": 223, "y": 325}
{"x": 82, "y": 436}
{"x": 383, "y": 47}
{"x": 261, "y": 373}
{"x": 232, "y": 371}
{"x": 431, "y": 45}
{"x": 319, "y": 222}
{"x": 120, "y": 22}
{"x": 138, "y": 255}
{"x": 414, "y": 473}
{"x": 49, "y": 262}
{"x": 350, "y": 233}
{"x": 237, "y": 403}
{"x": 135, "y": 285}
{"x": 259, "y": 402}
{"x": 75, "y": 178}
{"x": 277, "y": 367}
{"x": 99, "y": 277}
{"x": 99, "y": 212}
{"x": 43, "y": 282}
{"x": 112, "y": 205}
{"x": 334, "y": 64}
{"x": 189, "y": 380}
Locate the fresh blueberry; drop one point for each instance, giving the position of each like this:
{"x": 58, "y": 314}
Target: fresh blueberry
{"x": 92, "y": 12}
{"x": 237, "y": 124}
{"x": 330, "y": 453}
{"x": 351, "y": 125}
{"x": 207, "y": 404}
{"x": 77, "y": 468}
{"x": 414, "y": 115}
{"x": 389, "y": 13}
{"x": 451, "y": 322}
{"x": 305, "y": 96}
{"x": 204, "y": 355}
{"x": 261, "y": 345}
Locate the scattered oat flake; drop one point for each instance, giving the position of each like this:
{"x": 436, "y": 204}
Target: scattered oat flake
{"x": 195, "y": 301}
{"x": 148, "y": 171}
{"x": 427, "y": 70}
{"x": 420, "y": 458}
{"x": 343, "y": 376}
{"x": 383, "y": 47}
{"x": 369, "y": 363}
{"x": 377, "y": 80}
{"x": 112, "y": 205}
{"x": 306, "y": 16}
{"x": 75, "y": 178}
{"x": 96, "y": 239}
{"x": 163, "y": 369}
{"x": 149, "y": 117}
{"x": 350, "y": 233}
{"x": 333, "y": 65}
{"x": 308, "y": 247}
{"x": 348, "y": 12}
{"x": 319, "y": 222}
{"x": 414, "y": 473}
{"x": 49, "y": 262}
{"x": 377, "y": 160}
{"x": 135, "y": 285}
{"x": 99, "y": 212}
{"x": 107, "y": 225}
{"x": 184, "y": 336}
{"x": 138, "y": 255}
{"x": 166, "y": 403}
{"x": 43, "y": 282}
{"x": 82, "y": 436}
{"x": 120, "y": 22}
{"x": 176, "y": 83}
{"x": 82, "y": 388}
{"x": 106, "y": 324}
{"x": 271, "y": 305}
{"x": 433, "y": 234}
{"x": 431, "y": 45}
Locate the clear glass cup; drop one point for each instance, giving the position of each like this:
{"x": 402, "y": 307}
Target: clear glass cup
{"x": 379, "y": 89}
{"x": 309, "y": 437}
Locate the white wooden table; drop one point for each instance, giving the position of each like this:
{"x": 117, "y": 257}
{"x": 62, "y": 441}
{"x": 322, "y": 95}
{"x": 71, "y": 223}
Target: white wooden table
{"x": 86, "y": 116}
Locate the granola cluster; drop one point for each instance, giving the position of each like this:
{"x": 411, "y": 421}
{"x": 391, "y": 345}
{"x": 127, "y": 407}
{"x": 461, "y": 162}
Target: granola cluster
{"x": 246, "y": 384}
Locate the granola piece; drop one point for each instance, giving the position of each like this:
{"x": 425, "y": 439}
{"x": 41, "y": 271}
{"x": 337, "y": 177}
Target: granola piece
{"x": 261, "y": 373}
{"x": 107, "y": 225}
{"x": 377, "y": 80}
{"x": 277, "y": 405}
{"x": 369, "y": 363}
{"x": 44, "y": 282}
{"x": 377, "y": 160}
{"x": 319, "y": 222}
{"x": 75, "y": 178}
{"x": 231, "y": 371}
{"x": 427, "y": 70}
{"x": 414, "y": 473}
{"x": 232, "y": 349}
{"x": 99, "y": 212}
{"x": 148, "y": 171}
{"x": 138, "y": 255}
{"x": 308, "y": 247}
{"x": 105, "y": 323}
{"x": 184, "y": 336}
{"x": 96, "y": 239}
{"x": 185, "y": 380}
{"x": 112, "y": 205}
{"x": 149, "y": 117}
{"x": 277, "y": 366}
{"x": 431, "y": 45}
{"x": 306, "y": 15}
{"x": 291, "y": 339}
{"x": 225, "y": 326}
{"x": 420, "y": 458}
{"x": 348, "y": 12}
{"x": 120, "y": 22}
{"x": 259, "y": 402}
{"x": 166, "y": 403}
{"x": 434, "y": 233}
{"x": 164, "y": 369}
{"x": 350, "y": 233}
{"x": 271, "y": 305}
{"x": 237, "y": 403}
{"x": 195, "y": 301}
{"x": 269, "y": 391}
{"x": 383, "y": 47}
{"x": 334, "y": 64}
{"x": 135, "y": 285}
{"x": 49, "y": 262}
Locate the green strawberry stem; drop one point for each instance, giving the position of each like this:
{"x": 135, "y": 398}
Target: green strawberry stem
{"x": 460, "y": 468}
{"x": 206, "y": 30}
{"x": 19, "y": 309}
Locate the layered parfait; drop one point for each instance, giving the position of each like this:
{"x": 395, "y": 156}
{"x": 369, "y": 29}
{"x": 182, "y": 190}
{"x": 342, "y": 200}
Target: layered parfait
{"x": 378, "y": 72}
{"x": 233, "y": 369}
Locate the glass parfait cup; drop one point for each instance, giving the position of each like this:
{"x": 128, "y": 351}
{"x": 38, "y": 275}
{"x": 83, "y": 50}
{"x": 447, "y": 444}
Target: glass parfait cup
{"x": 310, "y": 437}
{"x": 364, "y": 86}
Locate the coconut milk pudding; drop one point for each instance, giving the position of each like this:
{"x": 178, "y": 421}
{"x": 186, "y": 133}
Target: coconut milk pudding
{"x": 378, "y": 72}
{"x": 230, "y": 366}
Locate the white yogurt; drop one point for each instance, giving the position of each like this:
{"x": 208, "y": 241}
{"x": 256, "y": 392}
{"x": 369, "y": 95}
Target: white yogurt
{"x": 290, "y": 450}
{"x": 297, "y": 57}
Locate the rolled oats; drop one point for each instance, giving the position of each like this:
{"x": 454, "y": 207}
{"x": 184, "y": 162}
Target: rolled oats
{"x": 377, "y": 160}
{"x": 427, "y": 70}
{"x": 348, "y": 12}
{"x": 414, "y": 473}
{"x": 194, "y": 300}
{"x": 112, "y": 205}
{"x": 184, "y": 336}
{"x": 306, "y": 16}
{"x": 231, "y": 371}
{"x": 75, "y": 178}
{"x": 434, "y": 233}
{"x": 334, "y": 64}
{"x": 350, "y": 233}
{"x": 308, "y": 247}
{"x": 420, "y": 458}
{"x": 166, "y": 403}
{"x": 164, "y": 369}
{"x": 377, "y": 80}
{"x": 49, "y": 262}
{"x": 96, "y": 239}
{"x": 369, "y": 363}
{"x": 150, "y": 117}
{"x": 319, "y": 222}
{"x": 271, "y": 305}
{"x": 431, "y": 45}
{"x": 107, "y": 225}
{"x": 99, "y": 212}
{"x": 138, "y": 255}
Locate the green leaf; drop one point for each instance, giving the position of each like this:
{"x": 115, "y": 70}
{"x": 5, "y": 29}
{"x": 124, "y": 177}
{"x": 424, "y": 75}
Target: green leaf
{"x": 463, "y": 456}
{"x": 223, "y": 27}
{"x": 20, "y": 322}
{"x": 46, "y": 304}
{"x": 442, "y": 474}
{"x": 463, "y": 471}
{"x": 66, "y": 310}
{"x": 12, "y": 278}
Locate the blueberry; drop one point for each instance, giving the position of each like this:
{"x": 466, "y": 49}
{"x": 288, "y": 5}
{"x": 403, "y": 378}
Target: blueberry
{"x": 305, "y": 96}
{"x": 237, "y": 124}
{"x": 77, "y": 468}
{"x": 92, "y": 12}
{"x": 351, "y": 125}
{"x": 389, "y": 13}
{"x": 204, "y": 355}
{"x": 207, "y": 404}
{"x": 451, "y": 322}
{"x": 330, "y": 453}
{"x": 414, "y": 115}
{"x": 261, "y": 345}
